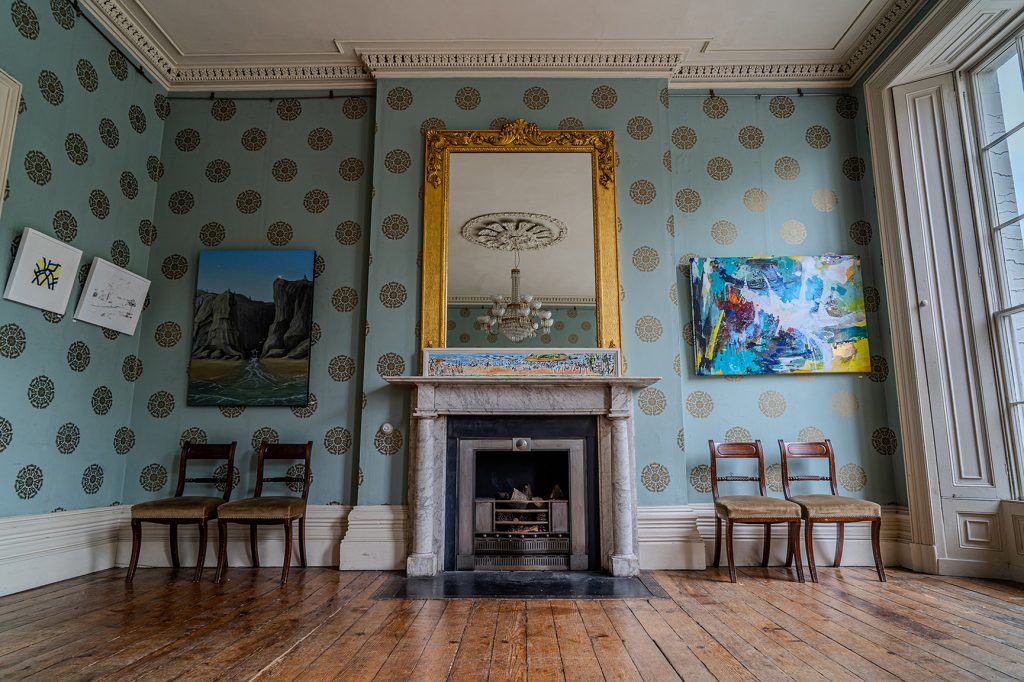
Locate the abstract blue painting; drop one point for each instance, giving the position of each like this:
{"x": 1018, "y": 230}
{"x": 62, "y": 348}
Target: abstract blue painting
{"x": 778, "y": 315}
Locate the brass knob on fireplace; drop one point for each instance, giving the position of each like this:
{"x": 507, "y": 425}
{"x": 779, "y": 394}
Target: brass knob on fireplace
{"x": 521, "y": 444}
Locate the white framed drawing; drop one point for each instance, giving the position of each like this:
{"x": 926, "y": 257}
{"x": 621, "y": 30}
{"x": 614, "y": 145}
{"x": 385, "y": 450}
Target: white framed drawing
{"x": 44, "y": 272}
{"x": 10, "y": 100}
{"x": 112, "y": 297}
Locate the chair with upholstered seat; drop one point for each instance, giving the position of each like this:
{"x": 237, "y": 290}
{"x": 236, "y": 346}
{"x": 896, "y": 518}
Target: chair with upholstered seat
{"x": 760, "y": 509}
{"x": 259, "y": 510}
{"x": 832, "y": 508}
{"x": 185, "y": 509}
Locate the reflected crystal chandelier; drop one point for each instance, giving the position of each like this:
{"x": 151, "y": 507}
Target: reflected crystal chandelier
{"x": 517, "y": 317}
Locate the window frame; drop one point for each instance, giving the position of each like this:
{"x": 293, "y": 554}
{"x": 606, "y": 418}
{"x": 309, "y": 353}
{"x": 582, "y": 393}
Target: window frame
{"x": 1010, "y": 365}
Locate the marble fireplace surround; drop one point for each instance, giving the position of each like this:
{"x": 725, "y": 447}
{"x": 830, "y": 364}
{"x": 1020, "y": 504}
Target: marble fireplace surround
{"x": 434, "y": 399}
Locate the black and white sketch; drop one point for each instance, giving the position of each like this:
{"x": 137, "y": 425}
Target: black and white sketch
{"x": 112, "y": 297}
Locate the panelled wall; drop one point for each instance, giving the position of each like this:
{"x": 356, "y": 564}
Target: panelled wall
{"x": 83, "y": 169}
{"x": 733, "y": 175}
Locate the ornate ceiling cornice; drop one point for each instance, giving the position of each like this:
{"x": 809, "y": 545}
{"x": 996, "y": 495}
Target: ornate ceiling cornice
{"x": 400, "y": 62}
{"x": 844, "y": 72}
{"x": 684, "y": 63}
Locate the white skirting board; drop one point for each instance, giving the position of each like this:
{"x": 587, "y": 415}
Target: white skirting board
{"x": 376, "y": 539}
{"x": 46, "y": 548}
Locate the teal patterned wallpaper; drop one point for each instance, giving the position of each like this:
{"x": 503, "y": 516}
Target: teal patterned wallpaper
{"x": 574, "y": 327}
{"x": 637, "y": 110}
{"x": 84, "y": 169}
{"x": 98, "y": 418}
{"x": 249, "y": 174}
{"x": 781, "y": 175}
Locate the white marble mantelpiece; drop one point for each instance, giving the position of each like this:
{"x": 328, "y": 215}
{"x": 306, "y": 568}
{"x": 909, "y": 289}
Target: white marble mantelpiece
{"x": 609, "y": 399}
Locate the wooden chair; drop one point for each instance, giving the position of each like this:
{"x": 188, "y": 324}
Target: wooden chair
{"x": 832, "y": 508}
{"x": 760, "y": 509}
{"x": 183, "y": 509}
{"x": 260, "y": 510}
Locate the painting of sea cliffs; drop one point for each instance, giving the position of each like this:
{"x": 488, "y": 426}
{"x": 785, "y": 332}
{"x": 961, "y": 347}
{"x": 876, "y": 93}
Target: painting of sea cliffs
{"x": 251, "y": 322}
{"x": 779, "y": 315}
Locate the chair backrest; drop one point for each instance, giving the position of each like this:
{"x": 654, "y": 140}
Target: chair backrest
{"x": 190, "y": 451}
{"x": 284, "y": 451}
{"x": 818, "y": 449}
{"x": 736, "y": 451}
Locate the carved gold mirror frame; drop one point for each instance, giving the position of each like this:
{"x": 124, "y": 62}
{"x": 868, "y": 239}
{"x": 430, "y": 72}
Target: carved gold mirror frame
{"x": 518, "y": 137}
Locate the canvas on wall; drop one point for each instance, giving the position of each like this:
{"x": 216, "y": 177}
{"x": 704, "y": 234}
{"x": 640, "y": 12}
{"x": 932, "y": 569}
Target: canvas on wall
{"x": 779, "y": 315}
{"x": 44, "y": 272}
{"x": 112, "y": 297}
{"x": 252, "y": 317}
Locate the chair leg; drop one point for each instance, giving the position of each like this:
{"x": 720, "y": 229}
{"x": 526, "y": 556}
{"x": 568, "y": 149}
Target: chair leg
{"x": 839, "y": 545}
{"x": 876, "y": 532}
{"x": 790, "y": 539}
{"x": 286, "y": 564}
{"x": 302, "y": 541}
{"x": 728, "y": 550}
{"x": 809, "y": 536}
{"x": 253, "y": 546}
{"x": 222, "y": 550}
{"x": 718, "y": 541}
{"x": 136, "y": 546}
{"x": 766, "y": 552}
{"x": 175, "y": 561}
{"x": 201, "y": 558}
{"x": 794, "y": 549}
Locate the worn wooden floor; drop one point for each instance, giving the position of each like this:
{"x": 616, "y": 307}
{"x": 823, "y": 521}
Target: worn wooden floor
{"x": 325, "y": 625}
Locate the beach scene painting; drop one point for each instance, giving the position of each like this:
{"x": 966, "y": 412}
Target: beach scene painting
{"x": 483, "y": 362}
{"x": 252, "y": 316}
{"x": 779, "y": 315}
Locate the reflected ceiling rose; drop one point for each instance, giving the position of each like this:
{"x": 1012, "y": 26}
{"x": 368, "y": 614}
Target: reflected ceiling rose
{"x": 514, "y": 231}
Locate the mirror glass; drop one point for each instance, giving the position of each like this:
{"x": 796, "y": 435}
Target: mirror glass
{"x": 526, "y": 216}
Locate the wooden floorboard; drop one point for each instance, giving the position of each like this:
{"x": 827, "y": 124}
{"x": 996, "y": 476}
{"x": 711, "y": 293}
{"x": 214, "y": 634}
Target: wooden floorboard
{"x": 327, "y": 625}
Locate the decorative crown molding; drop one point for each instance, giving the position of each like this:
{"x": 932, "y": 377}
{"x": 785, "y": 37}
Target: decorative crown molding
{"x": 844, "y": 72}
{"x": 138, "y": 38}
{"x": 396, "y": 62}
{"x": 683, "y": 62}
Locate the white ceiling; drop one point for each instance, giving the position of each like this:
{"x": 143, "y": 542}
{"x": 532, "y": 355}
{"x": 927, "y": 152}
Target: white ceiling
{"x": 366, "y": 36}
{"x": 558, "y": 185}
{"x": 308, "y": 27}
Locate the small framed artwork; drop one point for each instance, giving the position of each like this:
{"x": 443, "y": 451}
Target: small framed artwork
{"x": 44, "y": 272}
{"x": 535, "y": 362}
{"x": 112, "y": 297}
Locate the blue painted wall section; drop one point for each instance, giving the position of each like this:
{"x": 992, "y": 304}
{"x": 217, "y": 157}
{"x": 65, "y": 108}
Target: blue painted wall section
{"x": 94, "y": 418}
{"x": 261, "y": 173}
{"x": 637, "y": 110}
{"x": 779, "y": 175}
{"x": 83, "y": 169}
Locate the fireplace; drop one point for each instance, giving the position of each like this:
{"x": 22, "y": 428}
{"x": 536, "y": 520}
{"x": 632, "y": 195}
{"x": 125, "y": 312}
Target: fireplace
{"x": 523, "y": 494}
{"x": 447, "y": 409}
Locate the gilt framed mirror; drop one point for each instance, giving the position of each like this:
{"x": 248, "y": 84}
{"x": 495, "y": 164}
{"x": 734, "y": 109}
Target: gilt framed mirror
{"x": 520, "y": 246}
